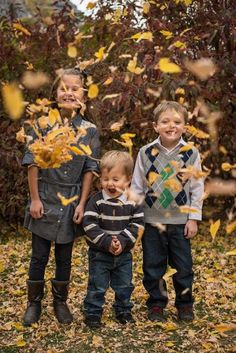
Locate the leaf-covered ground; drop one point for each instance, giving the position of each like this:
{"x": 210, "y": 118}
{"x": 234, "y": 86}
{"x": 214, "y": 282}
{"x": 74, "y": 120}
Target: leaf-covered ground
{"x": 213, "y": 330}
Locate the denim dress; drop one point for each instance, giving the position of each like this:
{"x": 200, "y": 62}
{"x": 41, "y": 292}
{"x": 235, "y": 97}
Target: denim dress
{"x": 57, "y": 223}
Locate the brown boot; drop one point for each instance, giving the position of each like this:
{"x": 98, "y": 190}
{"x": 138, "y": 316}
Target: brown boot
{"x": 35, "y": 295}
{"x": 60, "y": 294}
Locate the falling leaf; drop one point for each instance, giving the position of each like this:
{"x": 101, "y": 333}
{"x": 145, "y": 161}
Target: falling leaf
{"x": 117, "y": 125}
{"x": 22, "y": 29}
{"x": 20, "y": 135}
{"x": 180, "y": 90}
{"x": 230, "y": 227}
{"x": 54, "y": 116}
{"x": 90, "y": 5}
{"x": 143, "y": 35}
{"x": 202, "y": 68}
{"x": 108, "y": 81}
{"x": 65, "y": 201}
{"x": 13, "y": 100}
{"x": 86, "y": 149}
{"x": 214, "y": 228}
{"x": 168, "y": 67}
{"x": 93, "y": 91}
{"x": 187, "y": 147}
{"x": 187, "y": 209}
{"x": 152, "y": 177}
{"x": 173, "y": 185}
{"x": 146, "y": 8}
{"x": 169, "y": 273}
{"x": 230, "y": 253}
{"x": 179, "y": 44}
{"x": 34, "y": 80}
{"x": 72, "y": 51}
{"x": 227, "y": 166}
{"x": 196, "y": 132}
{"x": 127, "y": 141}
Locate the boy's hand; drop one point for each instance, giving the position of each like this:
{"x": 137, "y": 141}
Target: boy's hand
{"x": 36, "y": 209}
{"x": 115, "y": 247}
{"x": 190, "y": 229}
{"x": 79, "y": 213}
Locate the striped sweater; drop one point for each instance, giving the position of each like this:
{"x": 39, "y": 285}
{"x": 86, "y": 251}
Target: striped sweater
{"x": 106, "y": 216}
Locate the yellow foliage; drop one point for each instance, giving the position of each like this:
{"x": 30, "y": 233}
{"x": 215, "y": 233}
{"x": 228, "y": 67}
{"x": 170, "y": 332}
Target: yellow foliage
{"x": 65, "y": 201}
{"x": 100, "y": 54}
{"x": 227, "y": 166}
{"x": 132, "y": 66}
{"x": 143, "y": 35}
{"x": 169, "y": 273}
{"x": 54, "y": 116}
{"x": 214, "y": 228}
{"x": 146, "y": 8}
{"x": 232, "y": 252}
{"x": 93, "y": 91}
{"x": 230, "y": 227}
{"x": 20, "y": 28}
{"x": 196, "y": 132}
{"x": 167, "y": 34}
{"x": 72, "y": 51}
{"x": 179, "y": 44}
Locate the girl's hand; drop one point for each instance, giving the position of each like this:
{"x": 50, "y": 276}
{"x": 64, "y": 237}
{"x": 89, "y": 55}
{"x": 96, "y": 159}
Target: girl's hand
{"x": 190, "y": 229}
{"x": 36, "y": 209}
{"x": 79, "y": 213}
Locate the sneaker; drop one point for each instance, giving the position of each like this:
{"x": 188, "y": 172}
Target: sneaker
{"x": 93, "y": 321}
{"x": 156, "y": 313}
{"x": 124, "y": 318}
{"x": 185, "y": 313}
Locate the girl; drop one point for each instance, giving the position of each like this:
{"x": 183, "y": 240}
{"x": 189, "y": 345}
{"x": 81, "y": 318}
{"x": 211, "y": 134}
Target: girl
{"x": 47, "y": 219}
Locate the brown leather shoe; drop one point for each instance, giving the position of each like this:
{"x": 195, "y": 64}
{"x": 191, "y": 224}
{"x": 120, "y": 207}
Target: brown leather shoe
{"x": 185, "y": 313}
{"x": 156, "y": 313}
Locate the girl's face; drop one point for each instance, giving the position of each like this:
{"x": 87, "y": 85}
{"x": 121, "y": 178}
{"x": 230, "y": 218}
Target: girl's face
{"x": 70, "y": 92}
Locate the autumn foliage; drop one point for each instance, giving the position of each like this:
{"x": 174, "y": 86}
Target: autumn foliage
{"x": 136, "y": 54}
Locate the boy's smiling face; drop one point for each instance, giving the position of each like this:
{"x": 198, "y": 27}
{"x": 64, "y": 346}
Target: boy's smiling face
{"x": 114, "y": 181}
{"x": 70, "y": 92}
{"x": 170, "y": 126}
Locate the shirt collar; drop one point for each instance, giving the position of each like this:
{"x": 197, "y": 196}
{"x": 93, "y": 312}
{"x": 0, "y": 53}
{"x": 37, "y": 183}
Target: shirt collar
{"x": 180, "y": 143}
{"x": 122, "y": 197}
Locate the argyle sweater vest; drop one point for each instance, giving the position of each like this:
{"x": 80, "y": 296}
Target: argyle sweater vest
{"x": 162, "y": 200}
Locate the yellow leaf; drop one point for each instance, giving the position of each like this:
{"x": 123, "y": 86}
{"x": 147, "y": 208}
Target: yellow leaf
{"x": 86, "y": 149}
{"x": 227, "y": 166}
{"x": 167, "y": 34}
{"x": 170, "y": 326}
{"x": 196, "y": 132}
{"x": 187, "y": 209}
{"x": 90, "y": 5}
{"x": 214, "y": 228}
{"x": 179, "y": 44}
{"x": 146, "y": 8}
{"x": 2, "y": 267}
{"x": 100, "y": 54}
{"x": 202, "y": 68}
{"x": 54, "y": 116}
{"x": 168, "y": 67}
{"x": 22, "y": 29}
{"x": 108, "y": 81}
{"x": 180, "y": 90}
{"x": 232, "y": 252}
{"x": 127, "y": 136}
{"x": 152, "y": 177}
{"x": 65, "y": 201}
{"x": 225, "y": 327}
{"x": 143, "y": 35}
{"x": 187, "y": 147}
{"x": 72, "y": 51}
{"x": 18, "y": 326}
{"x": 169, "y": 273}
{"x": 20, "y": 341}
{"x": 230, "y": 227}
{"x": 132, "y": 66}
{"x": 43, "y": 122}
{"x": 169, "y": 344}
{"x": 20, "y": 135}
{"x": 13, "y": 100}
{"x": 93, "y": 91}
{"x": 76, "y": 150}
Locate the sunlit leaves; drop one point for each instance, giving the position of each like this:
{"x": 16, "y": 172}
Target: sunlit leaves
{"x": 13, "y": 100}
{"x": 54, "y": 116}
{"x": 214, "y": 227}
{"x": 93, "y": 91}
{"x": 100, "y": 54}
{"x": 127, "y": 141}
{"x": 227, "y": 166}
{"x": 196, "y": 132}
{"x": 179, "y": 44}
{"x": 166, "y": 66}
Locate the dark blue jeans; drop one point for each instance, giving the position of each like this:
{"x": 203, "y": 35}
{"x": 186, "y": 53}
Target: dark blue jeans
{"x": 159, "y": 250}
{"x": 107, "y": 270}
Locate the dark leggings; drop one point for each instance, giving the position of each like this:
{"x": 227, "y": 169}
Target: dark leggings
{"x": 40, "y": 255}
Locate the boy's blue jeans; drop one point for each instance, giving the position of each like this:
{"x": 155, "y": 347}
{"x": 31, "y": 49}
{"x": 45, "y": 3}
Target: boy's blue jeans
{"x": 107, "y": 270}
{"x": 159, "y": 250}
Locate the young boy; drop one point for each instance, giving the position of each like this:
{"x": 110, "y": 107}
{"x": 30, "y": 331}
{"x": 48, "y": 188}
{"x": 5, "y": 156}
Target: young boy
{"x": 158, "y": 176}
{"x": 112, "y": 224}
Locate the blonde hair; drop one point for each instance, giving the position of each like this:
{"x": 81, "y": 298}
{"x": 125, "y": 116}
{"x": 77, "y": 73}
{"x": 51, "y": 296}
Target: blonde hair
{"x": 170, "y": 105}
{"x": 115, "y": 158}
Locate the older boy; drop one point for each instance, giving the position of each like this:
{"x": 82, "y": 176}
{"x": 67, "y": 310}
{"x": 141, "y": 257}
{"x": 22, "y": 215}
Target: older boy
{"x": 112, "y": 224}
{"x": 158, "y": 175}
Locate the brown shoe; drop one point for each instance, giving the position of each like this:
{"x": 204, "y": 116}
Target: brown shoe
{"x": 185, "y": 313}
{"x": 156, "y": 313}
